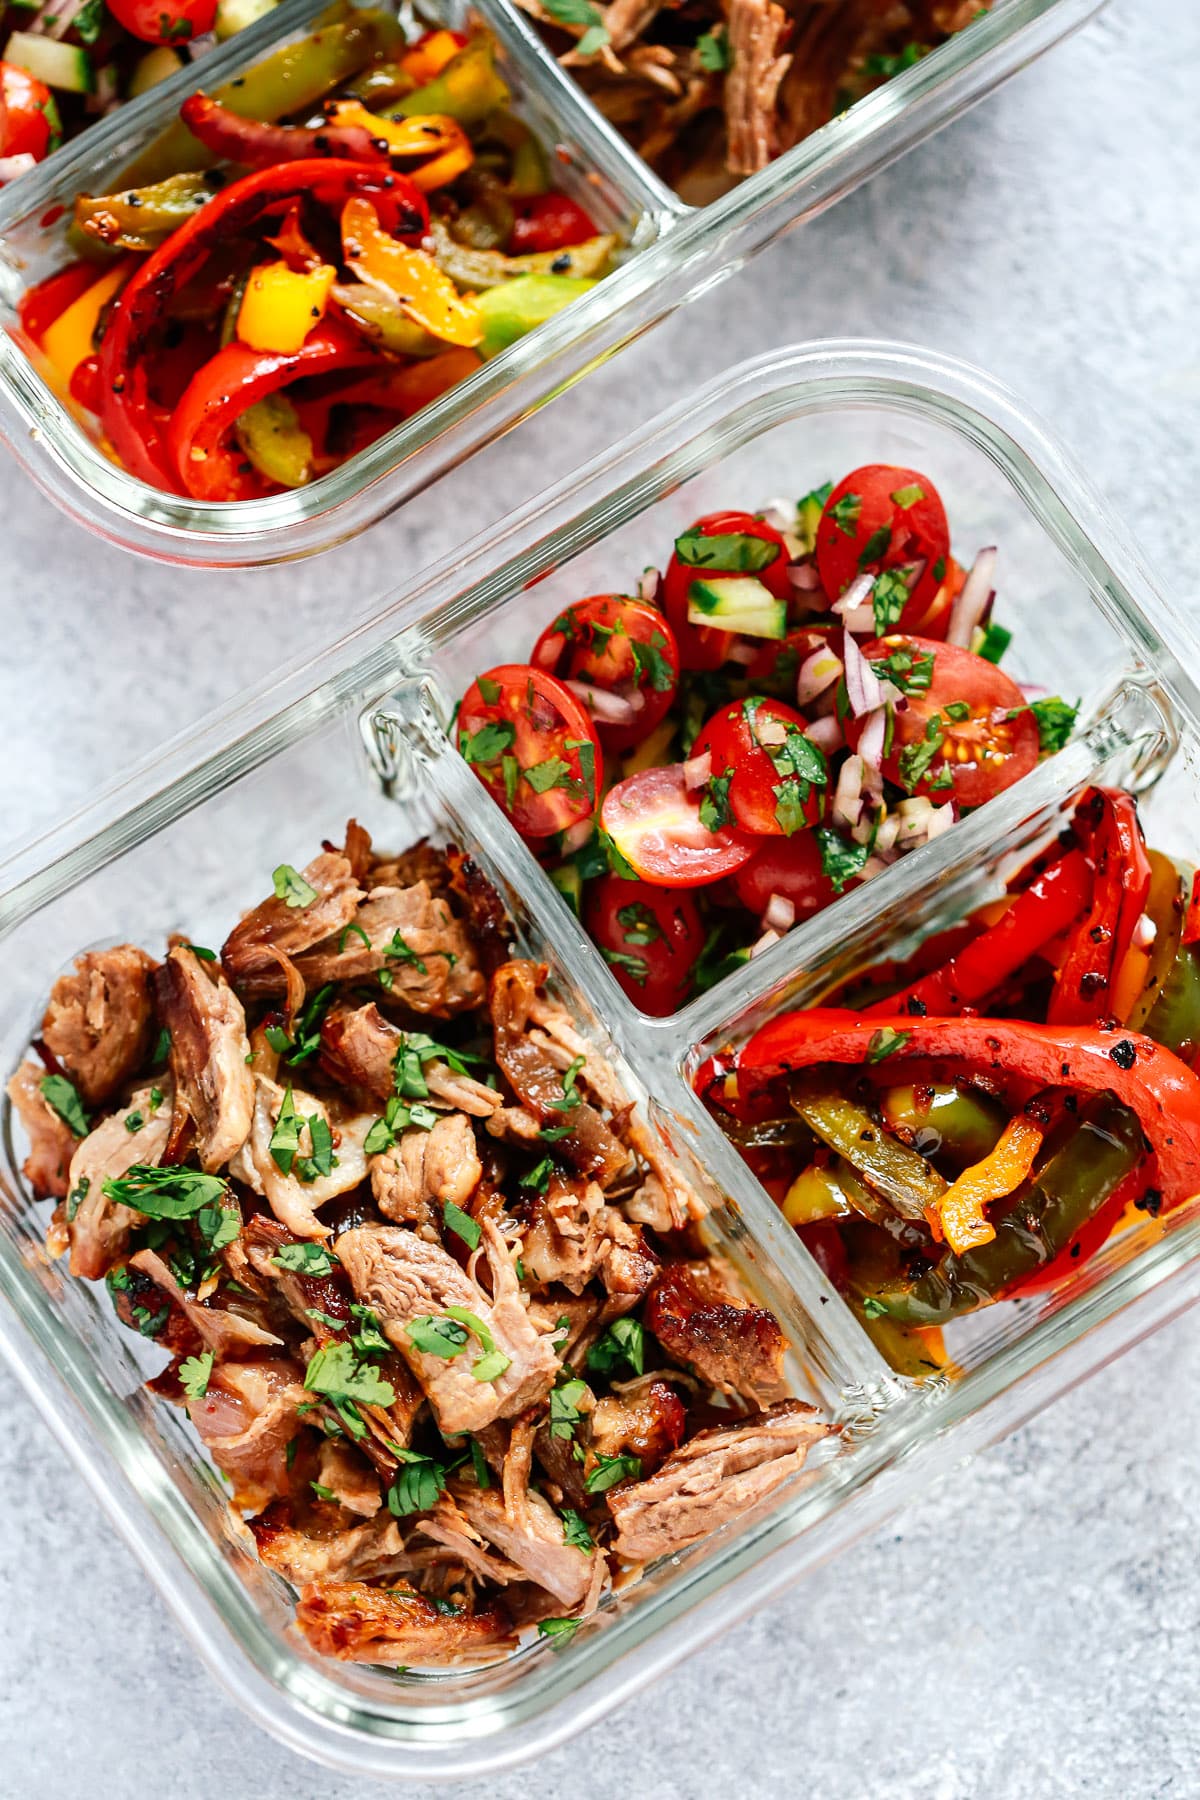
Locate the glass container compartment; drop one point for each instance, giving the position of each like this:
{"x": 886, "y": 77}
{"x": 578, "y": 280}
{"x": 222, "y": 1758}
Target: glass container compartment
{"x": 186, "y": 842}
{"x": 676, "y": 253}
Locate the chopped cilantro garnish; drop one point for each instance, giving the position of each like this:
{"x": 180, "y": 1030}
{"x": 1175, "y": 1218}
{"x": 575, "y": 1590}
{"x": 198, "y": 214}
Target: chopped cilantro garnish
{"x": 575, "y": 1531}
{"x": 194, "y": 1372}
{"x": 461, "y": 1224}
{"x": 1055, "y": 722}
{"x": 841, "y": 859}
{"x": 305, "y": 1259}
{"x": 291, "y": 887}
{"x": 886, "y": 1042}
{"x": 63, "y": 1096}
{"x": 611, "y": 1469}
{"x": 174, "y": 1193}
{"x": 488, "y": 743}
{"x": 624, "y": 1343}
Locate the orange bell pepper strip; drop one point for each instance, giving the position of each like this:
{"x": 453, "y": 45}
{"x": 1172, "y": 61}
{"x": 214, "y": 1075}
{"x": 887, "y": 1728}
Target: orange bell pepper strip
{"x": 411, "y": 277}
{"x": 958, "y": 1214}
{"x": 406, "y": 390}
{"x": 435, "y": 136}
{"x": 429, "y": 56}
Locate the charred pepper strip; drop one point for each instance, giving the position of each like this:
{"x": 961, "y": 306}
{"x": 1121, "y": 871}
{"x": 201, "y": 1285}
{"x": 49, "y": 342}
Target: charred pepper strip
{"x": 1048, "y": 906}
{"x": 207, "y": 464}
{"x": 1083, "y": 993}
{"x": 257, "y": 145}
{"x": 131, "y": 422}
{"x": 1162, "y": 1091}
{"x": 140, "y": 218}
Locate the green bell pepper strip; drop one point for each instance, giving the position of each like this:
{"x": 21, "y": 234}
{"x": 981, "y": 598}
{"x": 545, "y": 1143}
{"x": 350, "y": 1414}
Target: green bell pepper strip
{"x": 481, "y": 269}
{"x": 901, "y": 1175}
{"x": 383, "y": 322}
{"x": 1166, "y": 902}
{"x": 517, "y": 307}
{"x": 467, "y": 89}
{"x": 290, "y": 80}
{"x": 968, "y": 1125}
{"x": 1077, "y": 1185}
{"x": 1168, "y": 1009}
{"x": 140, "y": 218}
{"x": 276, "y": 443}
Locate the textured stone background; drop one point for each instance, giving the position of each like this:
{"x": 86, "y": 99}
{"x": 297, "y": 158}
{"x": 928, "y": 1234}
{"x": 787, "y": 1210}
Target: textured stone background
{"x": 1031, "y": 1628}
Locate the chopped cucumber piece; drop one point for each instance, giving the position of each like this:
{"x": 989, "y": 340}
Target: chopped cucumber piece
{"x": 155, "y": 66}
{"x": 63, "y": 66}
{"x": 569, "y": 883}
{"x": 234, "y": 15}
{"x": 739, "y": 604}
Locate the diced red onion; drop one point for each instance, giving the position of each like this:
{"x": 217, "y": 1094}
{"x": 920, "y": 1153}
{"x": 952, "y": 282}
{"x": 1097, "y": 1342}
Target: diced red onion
{"x": 764, "y": 943}
{"x": 697, "y": 770}
{"x": 648, "y": 585}
{"x": 861, "y": 621}
{"x": 870, "y": 744}
{"x": 12, "y": 166}
{"x": 912, "y": 572}
{"x": 609, "y": 708}
{"x": 1144, "y": 932}
{"x": 201, "y": 46}
{"x": 826, "y": 734}
{"x": 817, "y": 672}
{"x": 941, "y": 819}
{"x": 973, "y": 597}
{"x": 780, "y": 914}
{"x": 847, "y": 797}
{"x": 576, "y": 836}
{"x": 743, "y": 653}
{"x": 888, "y": 835}
{"x": 855, "y": 596}
{"x": 863, "y": 689}
{"x": 779, "y": 513}
{"x": 803, "y": 575}
{"x": 1032, "y": 690}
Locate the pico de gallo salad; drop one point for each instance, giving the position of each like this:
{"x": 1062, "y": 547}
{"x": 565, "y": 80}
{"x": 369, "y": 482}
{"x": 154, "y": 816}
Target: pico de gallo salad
{"x": 800, "y": 697}
{"x": 308, "y": 256}
{"x": 64, "y": 63}
{"x": 973, "y": 1125}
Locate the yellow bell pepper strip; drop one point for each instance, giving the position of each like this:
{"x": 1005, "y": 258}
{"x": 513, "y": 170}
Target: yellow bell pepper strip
{"x": 435, "y": 136}
{"x": 71, "y": 337}
{"x": 406, "y": 391}
{"x": 280, "y": 306}
{"x": 520, "y": 305}
{"x": 276, "y": 443}
{"x": 412, "y": 278}
{"x": 290, "y": 81}
{"x": 140, "y": 218}
{"x": 477, "y": 269}
{"x": 468, "y": 88}
{"x": 958, "y": 1216}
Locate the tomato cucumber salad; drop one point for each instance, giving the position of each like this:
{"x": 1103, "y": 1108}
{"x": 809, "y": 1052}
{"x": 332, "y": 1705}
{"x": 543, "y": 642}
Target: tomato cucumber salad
{"x": 801, "y": 696}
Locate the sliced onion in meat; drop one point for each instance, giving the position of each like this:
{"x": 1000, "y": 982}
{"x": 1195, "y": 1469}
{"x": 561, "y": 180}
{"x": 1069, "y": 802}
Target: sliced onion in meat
{"x": 856, "y": 595}
{"x": 780, "y": 914}
{"x": 847, "y": 796}
{"x": 609, "y": 708}
{"x": 826, "y": 734}
{"x": 697, "y": 770}
{"x": 972, "y": 600}
{"x": 817, "y": 672}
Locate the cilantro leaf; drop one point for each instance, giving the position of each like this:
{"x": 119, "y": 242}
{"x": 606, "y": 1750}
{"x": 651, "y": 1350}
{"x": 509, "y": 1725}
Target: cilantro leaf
{"x": 564, "y": 1406}
{"x": 437, "y": 1337}
{"x": 488, "y": 743}
{"x": 417, "y": 1485}
{"x": 622, "y": 1345}
{"x": 553, "y": 773}
{"x": 339, "y": 1375}
{"x": 575, "y": 1531}
{"x": 715, "y": 810}
{"x": 63, "y": 1096}
{"x": 174, "y": 1193}
{"x": 713, "y": 51}
{"x": 291, "y": 887}
{"x": 841, "y": 859}
{"x": 194, "y": 1372}
{"x": 1055, "y": 722}
{"x": 611, "y": 1469}
{"x": 305, "y": 1259}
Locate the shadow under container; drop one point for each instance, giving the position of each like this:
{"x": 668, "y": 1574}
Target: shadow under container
{"x": 365, "y": 737}
{"x": 675, "y": 253}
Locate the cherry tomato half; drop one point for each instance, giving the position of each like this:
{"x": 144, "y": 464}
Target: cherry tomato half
{"x": 622, "y": 647}
{"x": 775, "y": 778}
{"x": 27, "y": 113}
{"x": 934, "y": 622}
{"x": 532, "y": 745}
{"x": 882, "y": 517}
{"x": 790, "y": 867}
{"x": 971, "y": 721}
{"x": 165, "y": 21}
{"x": 777, "y": 664}
{"x": 650, "y": 937}
{"x": 706, "y": 646}
{"x": 549, "y": 222}
{"x": 654, "y": 819}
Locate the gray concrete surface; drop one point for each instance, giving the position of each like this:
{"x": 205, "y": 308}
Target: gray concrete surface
{"x": 1029, "y": 1630}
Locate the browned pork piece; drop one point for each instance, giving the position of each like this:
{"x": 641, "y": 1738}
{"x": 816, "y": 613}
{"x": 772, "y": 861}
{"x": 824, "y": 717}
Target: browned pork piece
{"x": 100, "y": 1020}
{"x": 250, "y": 952}
{"x": 736, "y": 1347}
{"x": 51, "y": 1140}
{"x": 414, "y": 1179}
{"x": 358, "y": 1050}
{"x": 246, "y": 1418}
{"x": 406, "y": 1280}
{"x": 711, "y": 1479}
{"x": 315, "y": 1543}
{"x": 98, "y": 1227}
{"x": 214, "y": 1088}
{"x": 526, "y": 1529}
{"x": 757, "y": 32}
{"x": 398, "y": 1625}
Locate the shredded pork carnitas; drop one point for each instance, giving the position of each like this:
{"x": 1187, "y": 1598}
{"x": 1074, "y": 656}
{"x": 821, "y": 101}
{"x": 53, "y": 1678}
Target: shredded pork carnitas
{"x": 708, "y": 91}
{"x": 438, "y": 1307}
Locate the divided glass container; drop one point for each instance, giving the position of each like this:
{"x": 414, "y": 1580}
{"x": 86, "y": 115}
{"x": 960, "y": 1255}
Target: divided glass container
{"x": 674, "y": 252}
{"x": 360, "y": 730}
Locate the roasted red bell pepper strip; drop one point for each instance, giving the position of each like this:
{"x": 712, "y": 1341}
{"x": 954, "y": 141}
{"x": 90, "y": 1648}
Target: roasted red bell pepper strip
{"x": 39, "y": 306}
{"x": 207, "y": 464}
{"x": 1116, "y": 850}
{"x": 128, "y": 416}
{"x": 549, "y": 222}
{"x": 1191, "y": 924}
{"x": 1051, "y": 903}
{"x": 1162, "y": 1091}
{"x": 254, "y": 144}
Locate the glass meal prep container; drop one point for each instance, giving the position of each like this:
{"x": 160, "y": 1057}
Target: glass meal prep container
{"x": 674, "y": 252}
{"x": 185, "y": 843}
